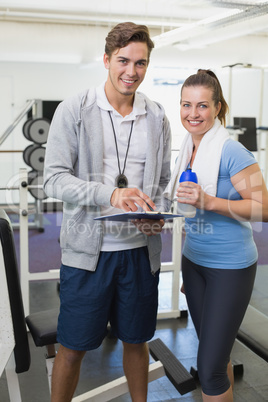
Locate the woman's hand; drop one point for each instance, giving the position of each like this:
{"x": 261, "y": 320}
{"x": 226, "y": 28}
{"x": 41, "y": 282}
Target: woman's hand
{"x": 191, "y": 193}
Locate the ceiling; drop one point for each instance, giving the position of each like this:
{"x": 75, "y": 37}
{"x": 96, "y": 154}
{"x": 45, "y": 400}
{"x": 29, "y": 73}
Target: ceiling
{"x": 181, "y": 24}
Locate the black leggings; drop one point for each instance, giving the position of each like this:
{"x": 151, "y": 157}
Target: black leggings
{"x": 217, "y": 301}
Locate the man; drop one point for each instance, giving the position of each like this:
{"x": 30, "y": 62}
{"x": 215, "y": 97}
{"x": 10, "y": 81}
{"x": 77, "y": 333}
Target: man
{"x": 109, "y": 151}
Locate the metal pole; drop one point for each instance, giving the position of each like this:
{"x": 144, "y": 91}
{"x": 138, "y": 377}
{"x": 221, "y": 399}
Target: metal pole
{"x": 260, "y": 136}
{"x": 230, "y": 95}
{"x": 175, "y": 268}
{"x": 176, "y": 259}
{"x": 24, "y": 239}
{"x": 9, "y": 130}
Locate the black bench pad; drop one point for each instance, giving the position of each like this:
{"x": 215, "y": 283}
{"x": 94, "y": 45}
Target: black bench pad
{"x": 43, "y": 326}
{"x": 175, "y": 371}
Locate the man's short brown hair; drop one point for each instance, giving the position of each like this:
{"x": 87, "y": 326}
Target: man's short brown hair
{"x": 124, "y": 33}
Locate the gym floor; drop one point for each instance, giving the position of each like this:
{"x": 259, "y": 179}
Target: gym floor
{"x": 105, "y": 364}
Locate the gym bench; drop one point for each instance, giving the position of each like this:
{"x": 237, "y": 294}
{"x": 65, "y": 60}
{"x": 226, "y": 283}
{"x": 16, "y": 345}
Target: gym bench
{"x": 43, "y": 329}
{"x": 253, "y": 332}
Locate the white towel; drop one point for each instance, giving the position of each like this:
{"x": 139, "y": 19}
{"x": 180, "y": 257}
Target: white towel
{"x": 206, "y": 163}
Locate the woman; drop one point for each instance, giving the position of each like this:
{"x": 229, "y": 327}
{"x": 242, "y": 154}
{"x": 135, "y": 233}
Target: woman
{"x": 219, "y": 257}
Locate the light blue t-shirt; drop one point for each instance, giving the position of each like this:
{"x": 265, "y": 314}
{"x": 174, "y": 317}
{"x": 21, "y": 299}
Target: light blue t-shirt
{"x": 214, "y": 240}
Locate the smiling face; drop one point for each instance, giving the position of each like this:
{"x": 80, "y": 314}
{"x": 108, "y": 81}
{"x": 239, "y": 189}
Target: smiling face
{"x": 127, "y": 68}
{"x": 198, "y": 110}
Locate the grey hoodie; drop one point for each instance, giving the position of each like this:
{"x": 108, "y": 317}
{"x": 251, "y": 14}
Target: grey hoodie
{"x": 74, "y": 169}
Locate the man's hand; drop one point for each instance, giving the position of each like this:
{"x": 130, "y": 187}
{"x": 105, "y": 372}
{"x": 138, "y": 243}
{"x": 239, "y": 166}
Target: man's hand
{"x": 127, "y": 199}
{"x": 150, "y": 227}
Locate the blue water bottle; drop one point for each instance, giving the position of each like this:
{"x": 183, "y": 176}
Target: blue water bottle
{"x": 187, "y": 210}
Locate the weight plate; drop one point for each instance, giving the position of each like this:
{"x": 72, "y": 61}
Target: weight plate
{"x": 25, "y": 128}
{"x": 37, "y": 158}
{"x": 36, "y": 179}
{"x": 27, "y": 151}
{"x": 38, "y": 130}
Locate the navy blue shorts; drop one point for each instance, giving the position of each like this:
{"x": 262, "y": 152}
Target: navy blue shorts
{"x": 122, "y": 291}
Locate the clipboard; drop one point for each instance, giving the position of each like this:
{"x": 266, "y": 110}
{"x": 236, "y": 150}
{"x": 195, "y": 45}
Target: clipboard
{"x": 128, "y": 216}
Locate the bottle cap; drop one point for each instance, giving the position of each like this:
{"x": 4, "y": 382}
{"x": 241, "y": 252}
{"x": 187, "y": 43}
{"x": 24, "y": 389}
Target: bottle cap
{"x": 188, "y": 175}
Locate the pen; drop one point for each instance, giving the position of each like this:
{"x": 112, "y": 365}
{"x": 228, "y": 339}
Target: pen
{"x": 151, "y": 209}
